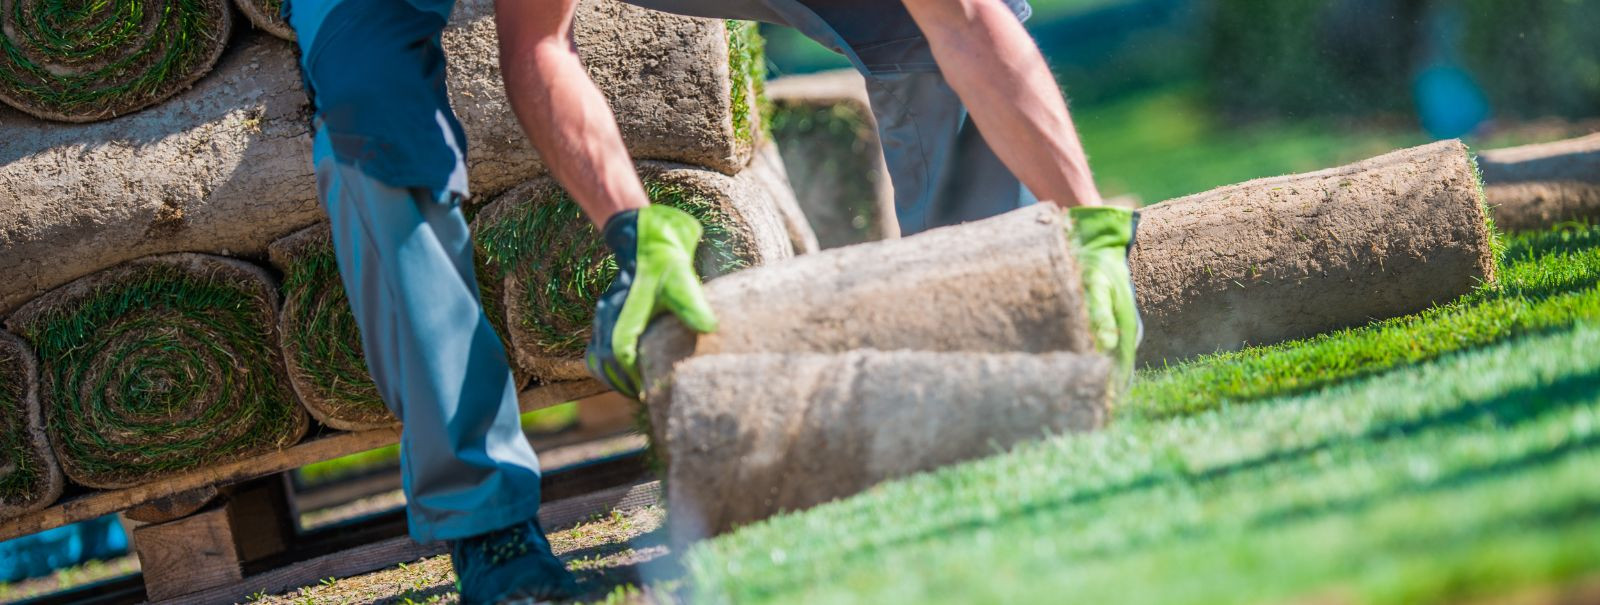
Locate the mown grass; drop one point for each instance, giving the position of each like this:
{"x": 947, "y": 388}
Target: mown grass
{"x": 1439, "y": 457}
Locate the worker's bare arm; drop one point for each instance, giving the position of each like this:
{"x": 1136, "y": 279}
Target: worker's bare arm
{"x": 561, "y": 109}
{"x": 997, "y": 70}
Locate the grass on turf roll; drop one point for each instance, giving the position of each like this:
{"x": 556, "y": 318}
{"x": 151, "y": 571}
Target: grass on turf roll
{"x": 76, "y": 61}
{"x": 158, "y": 366}
{"x": 321, "y": 341}
{"x": 29, "y": 477}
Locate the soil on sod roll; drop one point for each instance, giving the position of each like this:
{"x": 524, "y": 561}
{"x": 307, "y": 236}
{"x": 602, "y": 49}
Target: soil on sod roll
{"x": 264, "y": 15}
{"x": 1281, "y": 258}
{"x": 1537, "y": 186}
{"x": 88, "y": 61}
{"x": 823, "y": 123}
{"x": 553, "y": 265}
{"x": 226, "y": 166}
{"x": 158, "y": 366}
{"x": 1003, "y": 284}
{"x": 29, "y": 477}
{"x": 754, "y": 435}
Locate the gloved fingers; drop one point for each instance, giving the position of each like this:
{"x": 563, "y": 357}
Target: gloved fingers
{"x": 683, "y": 296}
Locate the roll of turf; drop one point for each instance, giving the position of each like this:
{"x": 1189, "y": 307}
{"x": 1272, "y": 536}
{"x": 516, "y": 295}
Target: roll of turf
{"x": 1004, "y": 284}
{"x": 322, "y": 348}
{"x": 264, "y": 14}
{"x": 73, "y": 61}
{"x": 1536, "y": 186}
{"x": 159, "y": 366}
{"x": 823, "y": 123}
{"x": 29, "y": 477}
{"x": 1288, "y": 257}
{"x": 754, "y": 435}
{"x": 553, "y": 265}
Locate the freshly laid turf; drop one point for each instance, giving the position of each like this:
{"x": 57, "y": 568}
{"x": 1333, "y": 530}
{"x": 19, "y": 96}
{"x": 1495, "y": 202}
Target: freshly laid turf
{"x": 1409, "y": 468}
{"x": 1548, "y": 280}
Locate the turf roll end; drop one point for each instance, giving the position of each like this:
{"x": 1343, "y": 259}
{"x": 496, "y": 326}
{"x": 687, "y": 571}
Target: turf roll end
{"x": 1281, "y": 258}
{"x": 552, "y": 265}
{"x": 89, "y": 61}
{"x": 824, "y": 125}
{"x": 322, "y": 349}
{"x": 755, "y": 435}
{"x": 1538, "y": 186}
{"x": 159, "y": 366}
{"x": 264, "y": 14}
{"x": 29, "y": 477}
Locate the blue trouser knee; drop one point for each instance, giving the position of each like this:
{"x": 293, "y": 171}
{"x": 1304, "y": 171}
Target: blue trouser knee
{"x": 388, "y": 157}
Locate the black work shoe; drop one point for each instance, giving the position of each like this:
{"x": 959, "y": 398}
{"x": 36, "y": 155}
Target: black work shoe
{"x": 511, "y": 565}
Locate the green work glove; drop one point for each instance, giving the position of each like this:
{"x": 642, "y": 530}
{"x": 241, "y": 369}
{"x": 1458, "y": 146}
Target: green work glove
{"x": 655, "y": 272}
{"x": 1101, "y": 236}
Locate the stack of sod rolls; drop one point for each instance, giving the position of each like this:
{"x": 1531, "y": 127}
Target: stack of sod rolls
{"x": 29, "y": 477}
{"x": 225, "y": 167}
{"x": 1535, "y": 186}
{"x": 1288, "y": 257}
{"x": 823, "y": 124}
{"x": 833, "y": 371}
{"x": 160, "y": 366}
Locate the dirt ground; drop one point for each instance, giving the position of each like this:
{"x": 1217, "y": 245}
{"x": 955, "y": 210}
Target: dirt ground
{"x": 611, "y": 555}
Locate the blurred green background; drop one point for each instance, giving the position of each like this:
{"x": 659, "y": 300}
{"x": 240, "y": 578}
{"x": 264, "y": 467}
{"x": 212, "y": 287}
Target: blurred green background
{"x": 1179, "y": 96}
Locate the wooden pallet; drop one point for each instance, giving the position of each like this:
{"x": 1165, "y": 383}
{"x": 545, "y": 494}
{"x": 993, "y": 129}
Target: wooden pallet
{"x": 321, "y": 446}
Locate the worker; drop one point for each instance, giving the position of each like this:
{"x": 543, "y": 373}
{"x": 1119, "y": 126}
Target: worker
{"x": 390, "y": 155}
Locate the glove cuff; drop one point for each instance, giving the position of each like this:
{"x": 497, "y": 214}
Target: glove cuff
{"x": 1101, "y": 227}
{"x": 621, "y": 233}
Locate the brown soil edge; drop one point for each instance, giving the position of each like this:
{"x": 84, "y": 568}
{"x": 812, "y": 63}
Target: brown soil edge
{"x": 265, "y": 20}
{"x": 1537, "y": 186}
{"x": 754, "y": 435}
{"x": 1288, "y": 257}
{"x": 217, "y": 44}
{"x": 34, "y": 425}
{"x": 204, "y": 264}
{"x": 283, "y": 254}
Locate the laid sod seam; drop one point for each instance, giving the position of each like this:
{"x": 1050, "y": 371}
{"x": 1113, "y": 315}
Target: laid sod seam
{"x": 1462, "y": 478}
{"x": 1548, "y": 280}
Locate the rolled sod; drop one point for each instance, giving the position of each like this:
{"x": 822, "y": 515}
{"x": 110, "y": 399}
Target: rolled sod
{"x": 754, "y": 435}
{"x": 264, "y": 15}
{"x": 824, "y": 126}
{"x": 1537, "y": 186}
{"x": 322, "y": 348}
{"x": 553, "y": 266}
{"x": 1288, "y": 257}
{"x": 29, "y": 477}
{"x": 85, "y": 61}
{"x": 1004, "y": 284}
{"x": 159, "y": 366}
{"x": 226, "y": 166}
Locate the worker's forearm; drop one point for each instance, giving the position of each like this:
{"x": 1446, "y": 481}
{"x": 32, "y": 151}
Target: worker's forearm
{"x": 571, "y": 125}
{"x": 997, "y": 70}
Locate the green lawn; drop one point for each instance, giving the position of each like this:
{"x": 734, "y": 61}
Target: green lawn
{"x": 1450, "y": 455}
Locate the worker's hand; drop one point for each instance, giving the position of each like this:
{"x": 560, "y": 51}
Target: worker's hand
{"x": 1100, "y": 236}
{"x": 655, "y": 272}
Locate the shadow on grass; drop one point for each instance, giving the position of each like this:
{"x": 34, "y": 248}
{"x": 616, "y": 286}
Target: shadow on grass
{"x": 1504, "y": 412}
